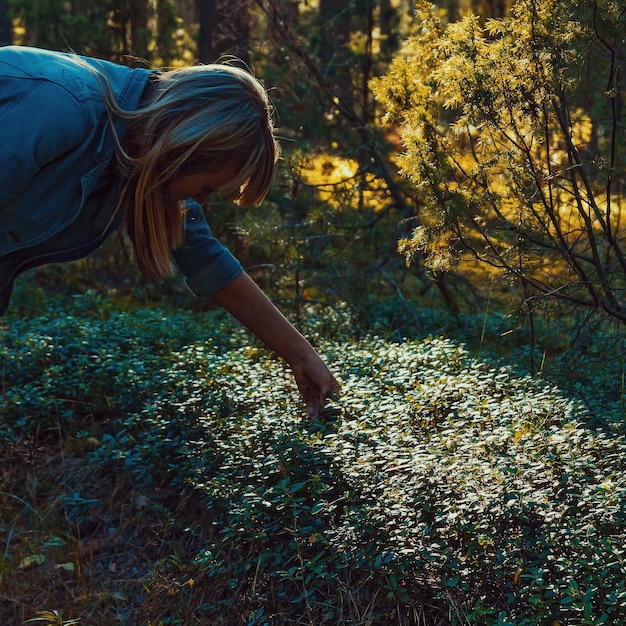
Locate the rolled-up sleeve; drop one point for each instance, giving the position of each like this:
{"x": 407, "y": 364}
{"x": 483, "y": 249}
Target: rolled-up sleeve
{"x": 204, "y": 262}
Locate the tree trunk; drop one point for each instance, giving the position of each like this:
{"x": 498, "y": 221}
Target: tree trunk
{"x": 164, "y": 15}
{"x": 139, "y": 34}
{"x": 336, "y": 16}
{"x": 386, "y": 14}
{"x": 224, "y": 29}
{"x": 206, "y": 12}
{"x": 6, "y": 27}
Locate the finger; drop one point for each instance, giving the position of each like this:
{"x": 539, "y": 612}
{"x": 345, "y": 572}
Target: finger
{"x": 334, "y": 391}
{"x": 311, "y": 400}
{"x": 313, "y": 406}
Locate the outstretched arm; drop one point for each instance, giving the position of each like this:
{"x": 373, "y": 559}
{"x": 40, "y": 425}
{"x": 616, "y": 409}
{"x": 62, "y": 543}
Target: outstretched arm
{"x": 247, "y": 303}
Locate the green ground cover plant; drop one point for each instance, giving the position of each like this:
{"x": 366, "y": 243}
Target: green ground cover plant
{"x": 157, "y": 468}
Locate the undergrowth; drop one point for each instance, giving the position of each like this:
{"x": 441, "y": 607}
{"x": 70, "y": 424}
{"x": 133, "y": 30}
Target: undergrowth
{"x": 157, "y": 468}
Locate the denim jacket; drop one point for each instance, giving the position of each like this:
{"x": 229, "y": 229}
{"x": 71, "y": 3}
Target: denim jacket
{"x": 55, "y": 142}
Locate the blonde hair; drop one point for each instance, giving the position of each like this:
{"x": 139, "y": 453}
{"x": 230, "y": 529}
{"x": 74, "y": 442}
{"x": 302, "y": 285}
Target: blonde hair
{"x": 203, "y": 118}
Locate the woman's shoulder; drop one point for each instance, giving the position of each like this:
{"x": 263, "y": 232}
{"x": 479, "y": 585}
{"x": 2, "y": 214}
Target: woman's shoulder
{"x": 32, "y": 62}
{"x": 80, "y": 76}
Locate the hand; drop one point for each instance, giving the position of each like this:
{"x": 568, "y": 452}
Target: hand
{"x": 243, "y": 299}
{"x": 315, "y": 382}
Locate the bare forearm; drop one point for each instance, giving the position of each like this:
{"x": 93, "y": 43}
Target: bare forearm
{"x": 245, "y": 301}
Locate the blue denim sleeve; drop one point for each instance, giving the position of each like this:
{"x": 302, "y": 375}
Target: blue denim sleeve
{"x": 204, "y": 262}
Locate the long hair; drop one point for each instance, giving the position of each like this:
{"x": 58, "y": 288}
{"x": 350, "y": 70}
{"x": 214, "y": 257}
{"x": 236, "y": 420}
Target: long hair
{"x": 196, "y": 119}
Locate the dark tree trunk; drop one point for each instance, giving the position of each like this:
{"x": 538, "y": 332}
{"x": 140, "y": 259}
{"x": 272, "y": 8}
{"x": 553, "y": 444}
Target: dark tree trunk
{"x": 224, "y": 29}
{"x": 206, "y": 12}
{"x": 138, "y": 10}
{"x": 6, "y": 27}
{"x": 336, "y": 16}
{"x": 386, "y": 15}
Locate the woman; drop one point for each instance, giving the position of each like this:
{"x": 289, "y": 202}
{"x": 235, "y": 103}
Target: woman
{"x": 88, "y": 147}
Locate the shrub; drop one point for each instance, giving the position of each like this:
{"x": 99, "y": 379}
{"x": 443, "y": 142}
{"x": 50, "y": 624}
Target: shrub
{"x": 512, "y": 140}
{"x": 438, "y": 479}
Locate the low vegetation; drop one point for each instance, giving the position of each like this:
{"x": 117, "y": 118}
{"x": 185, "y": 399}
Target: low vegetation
{"x": 157, "y": 468}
